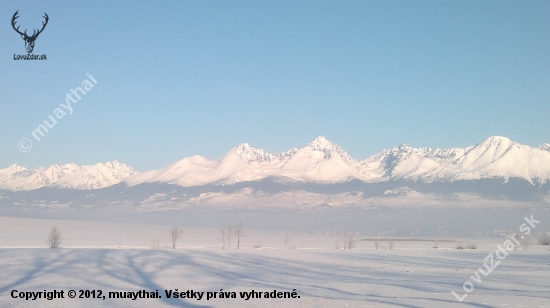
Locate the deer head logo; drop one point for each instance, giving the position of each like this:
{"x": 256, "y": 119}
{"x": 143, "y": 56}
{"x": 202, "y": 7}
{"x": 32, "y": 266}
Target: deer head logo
{"x": 29, "y": 40}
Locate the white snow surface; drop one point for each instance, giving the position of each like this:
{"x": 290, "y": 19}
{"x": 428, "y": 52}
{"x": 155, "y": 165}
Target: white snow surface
{"x": 115, "y": 257}
{"x": 65, "y": 176}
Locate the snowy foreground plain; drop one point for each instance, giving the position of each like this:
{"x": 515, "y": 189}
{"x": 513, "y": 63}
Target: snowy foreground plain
{"x": 117, "y": 256}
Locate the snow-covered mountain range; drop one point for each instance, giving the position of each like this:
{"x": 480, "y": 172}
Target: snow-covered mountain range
{"x": 319, "y": 161}
{"x": 65, "y": 176}
{"x": 322, "y": 161}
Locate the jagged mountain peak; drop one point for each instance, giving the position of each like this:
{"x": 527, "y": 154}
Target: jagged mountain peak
{"x": 113, "y": 163}
{"x": 444, "y": 153}
{"x": 393, "y": 157}
{"x": 13, "y": 169}
{"x": 497, "y": 141}
{"x": 321, "y": 144}
{"x": 405, "y": 150}
{"x": 545, "y": 147}
{"x": 251, "y": 154}
{"x": 402, "y": 148}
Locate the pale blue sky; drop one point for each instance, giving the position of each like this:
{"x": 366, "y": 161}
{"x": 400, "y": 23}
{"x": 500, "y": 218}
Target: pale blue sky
{"x": 179, "y": 78}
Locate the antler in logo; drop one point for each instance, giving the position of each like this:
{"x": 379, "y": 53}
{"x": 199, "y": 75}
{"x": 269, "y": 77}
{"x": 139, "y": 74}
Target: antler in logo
{"x": 29, "y": 40}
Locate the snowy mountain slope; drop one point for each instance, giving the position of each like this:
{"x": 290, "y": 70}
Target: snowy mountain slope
{"x": 325, "y": 162}
{"x": 97, "y": 176}
{"x": 320, "y": 161}
{"x": 496, "y": 157}
{"x": 65, "y": 176}
{"x": 19, "y": 178}
{"x": 243, "y": 163}
{"x": 405, "y": 162}
{"x": 189, "y": 171}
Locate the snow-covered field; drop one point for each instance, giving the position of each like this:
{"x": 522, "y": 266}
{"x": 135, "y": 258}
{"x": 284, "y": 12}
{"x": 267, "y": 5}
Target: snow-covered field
{"x": 116, "y": 256}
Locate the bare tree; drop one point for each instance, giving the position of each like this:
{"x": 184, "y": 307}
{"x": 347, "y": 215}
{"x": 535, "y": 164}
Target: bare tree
{"x": 350, "y": 241}
{"x": 229, "y": 233}
{"x": 156, "y": 243}
{"x": 54, "y": 238}
{"x": 176, "y": 234}
{"x": 544, "y": 239}
{"x": 222, "y": 230}
{"x": 239, "y": 233}
{"x": 287, "y": 237}
{"x": 525, "y": 241}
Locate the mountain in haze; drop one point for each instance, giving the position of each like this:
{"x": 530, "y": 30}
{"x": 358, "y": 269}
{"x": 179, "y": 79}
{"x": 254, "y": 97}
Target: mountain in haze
{"x": 319, "y": 161}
